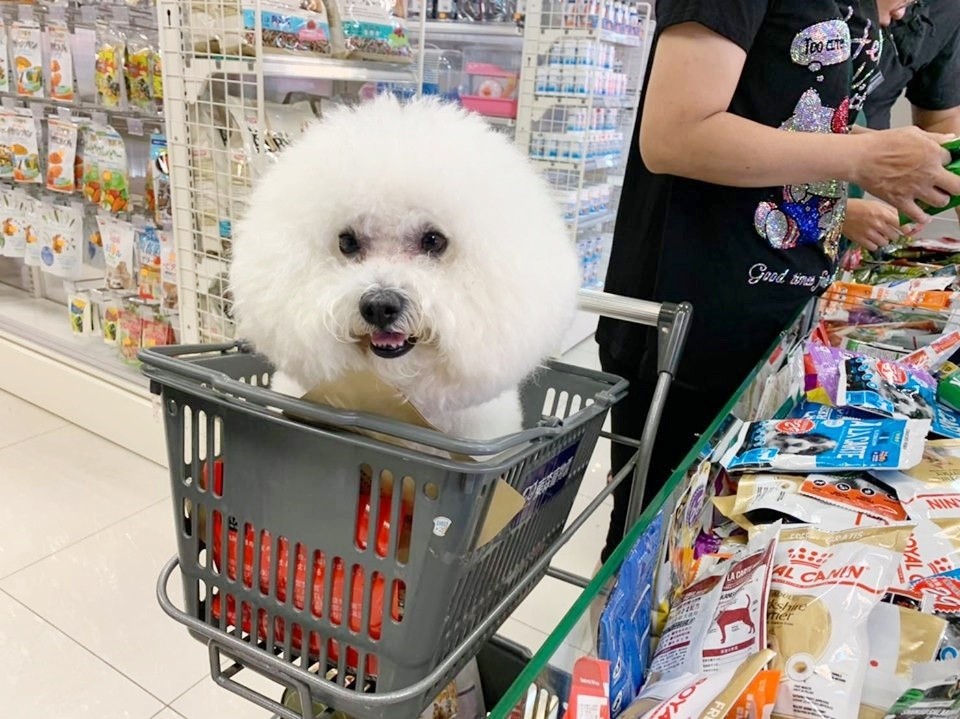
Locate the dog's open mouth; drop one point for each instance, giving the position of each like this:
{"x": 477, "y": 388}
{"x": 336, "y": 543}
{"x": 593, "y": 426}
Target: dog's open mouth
{"x": 391, "y": 345}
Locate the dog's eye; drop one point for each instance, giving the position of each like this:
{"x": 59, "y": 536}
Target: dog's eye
{"x": 433, "y": 243}
{"x": 349, "y": 245}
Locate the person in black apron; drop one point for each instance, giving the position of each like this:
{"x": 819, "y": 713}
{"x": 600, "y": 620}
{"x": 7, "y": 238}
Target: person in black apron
{"x": 922, "y": 60}
{"x": 735, "y": 193}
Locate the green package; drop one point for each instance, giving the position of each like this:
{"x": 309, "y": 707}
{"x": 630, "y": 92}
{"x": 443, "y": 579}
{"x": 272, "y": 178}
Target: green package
{"x": 954, "y": 147}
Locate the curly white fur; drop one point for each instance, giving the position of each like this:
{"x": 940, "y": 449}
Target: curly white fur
{"x": 484, "y": 313}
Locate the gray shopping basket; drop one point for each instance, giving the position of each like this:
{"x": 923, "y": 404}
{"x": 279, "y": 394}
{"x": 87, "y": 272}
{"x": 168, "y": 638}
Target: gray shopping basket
{"x": 343, "y": 565}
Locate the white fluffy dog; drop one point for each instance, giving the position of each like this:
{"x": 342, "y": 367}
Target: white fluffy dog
{"x": 414, "y": 242}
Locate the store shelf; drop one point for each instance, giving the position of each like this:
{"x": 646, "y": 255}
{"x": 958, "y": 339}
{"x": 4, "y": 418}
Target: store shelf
{"x": 609, "y": 36}
{"x": 595, "y": 163}
{"x": 296, "y": 67}
{"x": 46, "y": 324}
{"x": 465, "y": 33}
{"x": 586, "y": 223}
{"x": 82, "y": 381}
{"x": 547, "y": 100}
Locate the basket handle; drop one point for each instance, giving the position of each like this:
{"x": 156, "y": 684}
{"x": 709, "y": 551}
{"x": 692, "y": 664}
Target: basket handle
{"x": 160, "y": 361}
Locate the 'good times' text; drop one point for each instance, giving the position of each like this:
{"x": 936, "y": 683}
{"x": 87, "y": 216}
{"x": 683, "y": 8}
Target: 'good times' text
{"x": 760, "y": 273}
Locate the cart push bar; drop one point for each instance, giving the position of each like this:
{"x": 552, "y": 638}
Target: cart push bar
{"x": 672, "y": 322}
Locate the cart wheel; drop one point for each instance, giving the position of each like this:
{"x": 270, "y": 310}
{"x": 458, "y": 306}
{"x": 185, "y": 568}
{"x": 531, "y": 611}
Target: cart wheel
{"x": 291, "y": 700}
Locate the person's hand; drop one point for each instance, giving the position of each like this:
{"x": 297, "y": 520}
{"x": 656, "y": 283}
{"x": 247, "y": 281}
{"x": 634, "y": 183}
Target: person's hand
{"x": 871, "y": 224}
{"x": 905, "y": 165}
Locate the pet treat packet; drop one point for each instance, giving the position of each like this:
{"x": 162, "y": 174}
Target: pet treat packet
{"x": 159, "y": 180}
{"x": 933, "y": 356}
{"x": 933, "y": 548}
{"x": 934, "y": 692}
{"x": 855, "y": 492}
{"x": 27, "y": 51}
{"x": 119, "y": 239}
{"x": 764, "y": 498}
{"x": 626, "y": 622}
{"x": 708, "y": 695}
{"x": 292, "y": 26}
{"x": 61, "y": 241}
{"x": 899, "y": 638}
{"x": 149, "y": 263}
{"x": 719, "y": 620}
{"x": 932, "y": 488}
{"x": 371, "y": 32}
{"x": 4, "y": 58}
{"x": 823, "y": 588}
{"x": 13, "y": 237}
{"x": 168, "y": 271}
{"x": 114, "y": 179}
{"x": 109, "y": 67}
{"x": 804, "y": 445}
{"x": 61, "y": 155}
{"x": 60, "y": 63}
{"x": 886, "y": 388}
{"x": 138, "y": 66}
{"x": 23, "y": 134}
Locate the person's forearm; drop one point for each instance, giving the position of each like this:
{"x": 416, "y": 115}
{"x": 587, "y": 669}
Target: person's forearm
{"x": 946, "y": 122}
{"x": 726, "y": 149}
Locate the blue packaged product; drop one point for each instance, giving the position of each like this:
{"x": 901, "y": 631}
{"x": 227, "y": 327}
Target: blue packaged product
{"x": 886, "y": 388}
{"x": 946, "y": 422}
{"x": 815, "y": 411}
{"x": 806, "y": 445}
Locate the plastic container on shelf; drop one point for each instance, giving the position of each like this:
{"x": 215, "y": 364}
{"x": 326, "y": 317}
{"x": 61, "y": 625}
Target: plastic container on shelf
{"x": 492, "y": 82}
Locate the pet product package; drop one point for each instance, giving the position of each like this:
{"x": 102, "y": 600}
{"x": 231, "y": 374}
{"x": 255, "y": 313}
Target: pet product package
{"x": 721, "y": 619}
{"x": 168, "y": 271}
{"x": 109, "y": 67}
{"x": 764, "y": 498}
{"x": 4, "y": 58}
{"x": 114, "y": 182}
{"x": 371, "y": 32}
{"x": 118, "y": 249}
{"x": 60, "y": 63}
{"x": 886, "y": 388}
{"x": 160, "y": 179}
{"x": 215, "y": 27}
{"x": 933, "y": 486}
{"x": 40, "y": 210}
{"x": 61, "y": 155}
{"x": 824, "y": 587}
{"x": 149, "y": 263}
{"x": 856, "y": 493}
{"x": 934, "y": 692}
{"x": 13, "y": 226}
{"x": 89, "y": 148}
{"x": 933, "y": 548}
{"x": 292, "y": 26}
{"x": 138, "y": 66}
{"x": 81, "y": 322}
{"x": 23, "y": 135}
{"x": 899, "y": 639}
{"x": 704, "y": 696}
{"x": 804, "y": 445}
{"x": 61, "y": 241}
{"x": 625, "y": 625}
{"x": 25, "y": 46}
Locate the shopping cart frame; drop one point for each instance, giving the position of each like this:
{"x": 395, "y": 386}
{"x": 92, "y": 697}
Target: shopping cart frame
{"x": 672, "y": 322}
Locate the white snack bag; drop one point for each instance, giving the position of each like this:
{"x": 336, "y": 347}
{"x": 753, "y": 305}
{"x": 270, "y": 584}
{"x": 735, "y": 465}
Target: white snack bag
{"x": 824, "y": 587}
{"x": 719, "y": 620}
{"x": 932, "y": 488}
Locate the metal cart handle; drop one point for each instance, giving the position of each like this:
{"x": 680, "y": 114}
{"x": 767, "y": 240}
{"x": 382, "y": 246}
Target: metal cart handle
{"x": 161, "y": 362}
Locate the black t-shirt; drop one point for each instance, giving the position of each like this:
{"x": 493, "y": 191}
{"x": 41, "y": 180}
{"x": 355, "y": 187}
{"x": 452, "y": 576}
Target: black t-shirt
{"x": 747, "y": 259}
{"x": 926, "y": 62}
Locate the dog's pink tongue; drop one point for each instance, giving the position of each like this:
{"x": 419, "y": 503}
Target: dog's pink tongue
{"x": 388, "y": 339}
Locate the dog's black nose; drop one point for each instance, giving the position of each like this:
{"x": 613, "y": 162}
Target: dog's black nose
{"x": 382, "y": 308}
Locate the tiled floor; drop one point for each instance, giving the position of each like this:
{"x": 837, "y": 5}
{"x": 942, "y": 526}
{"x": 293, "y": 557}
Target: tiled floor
{"x": 84, "y": 529}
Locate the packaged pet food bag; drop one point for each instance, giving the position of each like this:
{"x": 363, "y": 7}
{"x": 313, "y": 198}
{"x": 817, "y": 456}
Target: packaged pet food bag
{"x": 899, "y": 638}
{"x": 806, "y": 445}
{"x": 823, "y": 588}
{"x": 935, "y": 692}
{"x": 719, "y": 621}
{"x": 743, "y": 690}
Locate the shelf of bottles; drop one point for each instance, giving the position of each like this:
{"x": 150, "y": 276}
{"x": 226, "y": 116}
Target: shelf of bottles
{"x": 583, "y": 65}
